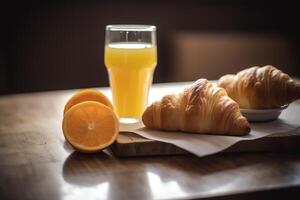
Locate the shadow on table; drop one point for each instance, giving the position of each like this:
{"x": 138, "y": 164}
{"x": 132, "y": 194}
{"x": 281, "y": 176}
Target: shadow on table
{"x": 144, "y": 176}
{"x": 90, "y": 169}
{"x": 85, "y": 169}
{"x": 68, "y": 147}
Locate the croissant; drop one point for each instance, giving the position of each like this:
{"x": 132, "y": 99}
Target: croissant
{"x": 200, "y": 108}
{"x": 260, "y": 87}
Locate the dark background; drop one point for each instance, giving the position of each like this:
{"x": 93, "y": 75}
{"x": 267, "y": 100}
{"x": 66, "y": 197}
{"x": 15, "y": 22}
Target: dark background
{"x": 50, "y": 45}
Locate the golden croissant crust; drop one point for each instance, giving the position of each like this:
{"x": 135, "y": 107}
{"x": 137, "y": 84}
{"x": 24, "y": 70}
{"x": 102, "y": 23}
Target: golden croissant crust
{"x": 260, "y": 87}
{"x": 200, "y": 108}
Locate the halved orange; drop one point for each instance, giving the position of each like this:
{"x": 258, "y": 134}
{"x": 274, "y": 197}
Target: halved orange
{"x": 90, "y": 126}
{"x": 87, "y": 95}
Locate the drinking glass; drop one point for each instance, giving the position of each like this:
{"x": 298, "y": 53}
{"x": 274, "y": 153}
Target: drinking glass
{"x": 130, "y": 58}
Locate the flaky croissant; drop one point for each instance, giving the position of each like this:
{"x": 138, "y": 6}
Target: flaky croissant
{"x": 260, "y": 87}
{"x": 200, "y": 108}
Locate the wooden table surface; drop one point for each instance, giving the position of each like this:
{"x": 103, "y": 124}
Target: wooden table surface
{"x": 37, "y": 163}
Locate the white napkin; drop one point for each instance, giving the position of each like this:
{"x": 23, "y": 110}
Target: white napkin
{"x": 202, "y": 145}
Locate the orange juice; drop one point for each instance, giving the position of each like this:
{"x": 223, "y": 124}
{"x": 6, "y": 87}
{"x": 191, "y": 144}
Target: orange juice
{"x": 130, "y": 67}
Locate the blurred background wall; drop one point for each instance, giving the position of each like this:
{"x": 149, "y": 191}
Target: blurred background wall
{"x": 50, "y": 45}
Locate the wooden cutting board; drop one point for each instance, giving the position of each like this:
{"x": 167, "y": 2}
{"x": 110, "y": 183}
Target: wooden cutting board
{"x": 131, "y": 144}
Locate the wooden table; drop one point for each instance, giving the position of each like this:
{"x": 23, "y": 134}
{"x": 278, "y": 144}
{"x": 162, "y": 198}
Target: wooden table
{"x": 37, "y": 163}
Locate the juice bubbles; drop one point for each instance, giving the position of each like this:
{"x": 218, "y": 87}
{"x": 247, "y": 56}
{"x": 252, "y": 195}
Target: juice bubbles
{"x": 130, "y": 66}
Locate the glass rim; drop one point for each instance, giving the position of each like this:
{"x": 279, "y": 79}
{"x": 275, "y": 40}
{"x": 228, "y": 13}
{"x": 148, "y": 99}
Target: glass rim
{"x": 130, "y": 27}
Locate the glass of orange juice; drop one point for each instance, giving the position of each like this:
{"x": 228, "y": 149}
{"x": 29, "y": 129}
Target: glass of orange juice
{"x": 130, "y": 58}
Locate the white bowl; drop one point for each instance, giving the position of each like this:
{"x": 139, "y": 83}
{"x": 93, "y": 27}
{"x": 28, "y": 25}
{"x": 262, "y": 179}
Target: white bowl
{"x": 260, "y": 115}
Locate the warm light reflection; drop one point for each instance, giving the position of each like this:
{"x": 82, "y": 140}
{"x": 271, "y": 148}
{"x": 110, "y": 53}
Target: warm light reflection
{"x": 71, "y": 192}
{"x": 229, "y": 186}
{"x": 162, "y": 189}
{"x": 159, "y": 90}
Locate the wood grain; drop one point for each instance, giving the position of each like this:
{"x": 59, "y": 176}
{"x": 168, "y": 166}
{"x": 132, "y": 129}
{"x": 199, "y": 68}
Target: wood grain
{"x": 37, "y": 163}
